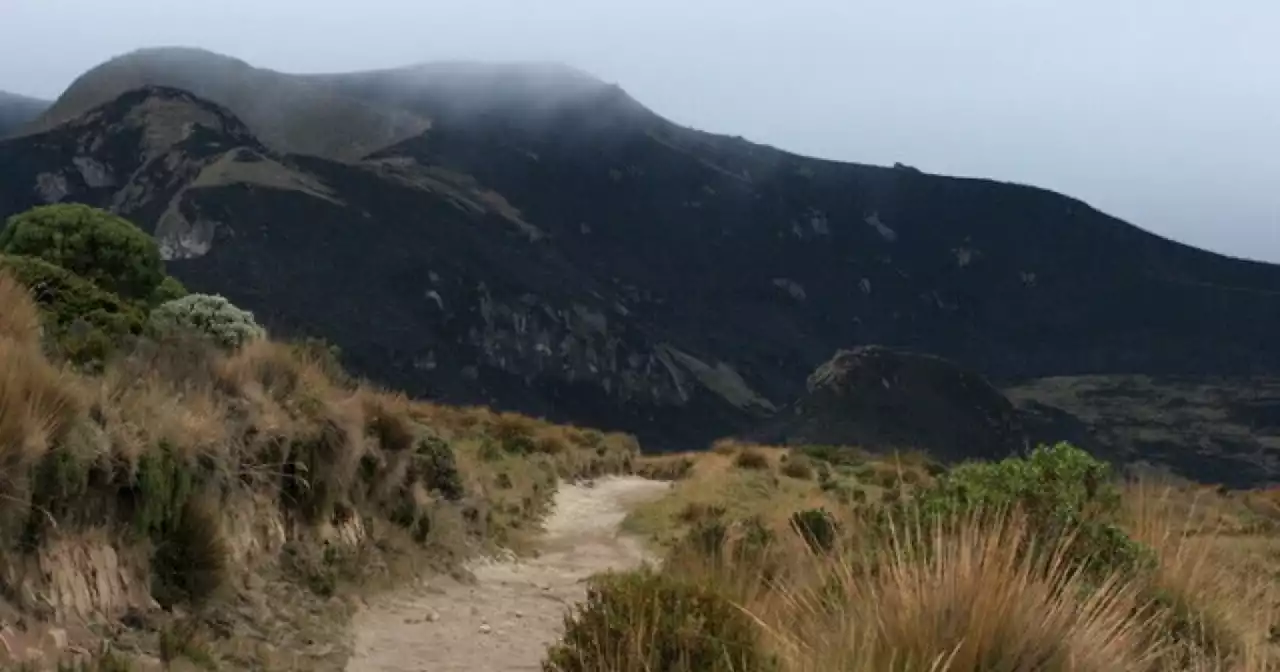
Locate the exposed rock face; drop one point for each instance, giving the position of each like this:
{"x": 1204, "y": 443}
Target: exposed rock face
{"x": 547, "y": 244}
{"x": 882, "y": 400}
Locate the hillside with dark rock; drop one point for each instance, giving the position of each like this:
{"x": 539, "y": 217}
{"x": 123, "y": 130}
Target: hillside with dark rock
{"x": 17, "y": 111}
{"x": 1207, "y": 428}
{"x": 882, "y": 400}
{"x": 538, "y": 240}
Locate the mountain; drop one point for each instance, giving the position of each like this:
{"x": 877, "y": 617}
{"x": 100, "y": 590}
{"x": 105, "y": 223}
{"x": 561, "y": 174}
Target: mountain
{"x": 882, "y": 400}
{"x": 16, "y": 111}
{"x": 530, "y": 237}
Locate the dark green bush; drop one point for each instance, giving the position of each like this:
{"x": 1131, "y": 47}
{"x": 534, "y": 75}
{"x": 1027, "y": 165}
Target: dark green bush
{"x": 1065, "y": 492}
{"x": 437, "y": 467}
{"x": 644, "y": 620}
{"x": 168, "y": 290}
{"x": 94, "y": 244}
{"x": 82, "y": 321}
{"x": 817, "y": 527}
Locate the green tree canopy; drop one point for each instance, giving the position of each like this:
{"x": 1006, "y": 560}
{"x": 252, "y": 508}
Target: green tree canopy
{"x": 107, "y": 250}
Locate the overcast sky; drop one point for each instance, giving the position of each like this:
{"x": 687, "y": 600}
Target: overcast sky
{"x": 1162, "y": 112}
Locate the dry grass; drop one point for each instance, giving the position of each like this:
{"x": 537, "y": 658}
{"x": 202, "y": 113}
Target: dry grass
{"x": 169, "y": 429}
{"x": 713, "y": 484}
{"x": 39, "y": 402}
{"x": 972, "y": 602}
{"x": 19, "y": 316}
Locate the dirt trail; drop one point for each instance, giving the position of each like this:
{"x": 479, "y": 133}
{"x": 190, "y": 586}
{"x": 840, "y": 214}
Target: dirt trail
{"x": 514, "y": 612}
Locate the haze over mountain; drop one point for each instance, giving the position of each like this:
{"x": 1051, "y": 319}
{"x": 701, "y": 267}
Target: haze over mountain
{"x": 17, "y": 111}
{"x": 532, "y": 238}
{"x": 1107, "y": 103}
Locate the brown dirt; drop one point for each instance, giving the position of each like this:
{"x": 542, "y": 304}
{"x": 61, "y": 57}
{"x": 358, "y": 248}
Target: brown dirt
{"x": 515, "y": 609}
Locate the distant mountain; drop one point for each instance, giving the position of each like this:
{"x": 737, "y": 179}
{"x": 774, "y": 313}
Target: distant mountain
{"x": 17, "y": 111}
{"x": 342, "y": 117}
{"x": 530, "y": 237}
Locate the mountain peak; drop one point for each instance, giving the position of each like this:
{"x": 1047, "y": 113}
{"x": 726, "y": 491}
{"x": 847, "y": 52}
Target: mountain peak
{"x": 348, "y": 116}
{"x": 166, "y": 115}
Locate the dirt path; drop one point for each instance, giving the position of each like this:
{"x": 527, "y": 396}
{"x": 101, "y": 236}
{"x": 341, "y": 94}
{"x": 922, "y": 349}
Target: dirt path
{"x": 514, "y": 611}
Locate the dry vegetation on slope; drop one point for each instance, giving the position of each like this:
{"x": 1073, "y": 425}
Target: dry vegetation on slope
{"x": 1017, "y": 572}
{"x": 174, "y": 502}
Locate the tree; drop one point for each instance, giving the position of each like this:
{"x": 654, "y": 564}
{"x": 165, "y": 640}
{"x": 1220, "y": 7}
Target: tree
{"x": 94, "y": 244}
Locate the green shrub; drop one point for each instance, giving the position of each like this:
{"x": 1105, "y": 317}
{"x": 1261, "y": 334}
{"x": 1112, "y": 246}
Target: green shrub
{"x": 437, "y": 467}
{"x": 817, "y": 527}
{"x": 1062, "y": 489}
{"x": 83, "y": 322}
{"x": 644, "y": 620}
{"x": 98, "y": 246}
{"x": 209, "y": 315}
{"x": 170, "y": 288}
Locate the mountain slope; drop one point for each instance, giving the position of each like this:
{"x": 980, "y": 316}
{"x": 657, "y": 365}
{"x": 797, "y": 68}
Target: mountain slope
{"x": 16, "y": 111}
{"x": 548, "y": 244}
{"x": 410, "y": 269}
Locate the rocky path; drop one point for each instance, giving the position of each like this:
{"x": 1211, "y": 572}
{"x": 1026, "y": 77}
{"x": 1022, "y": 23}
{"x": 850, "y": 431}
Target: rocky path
{"x": 514, "y": 611}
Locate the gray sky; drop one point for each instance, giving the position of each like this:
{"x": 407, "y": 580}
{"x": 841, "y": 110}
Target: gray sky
{"x": 1162, "y": 112}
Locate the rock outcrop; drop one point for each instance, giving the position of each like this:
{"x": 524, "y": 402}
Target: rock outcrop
{"x": 882, "y": 400}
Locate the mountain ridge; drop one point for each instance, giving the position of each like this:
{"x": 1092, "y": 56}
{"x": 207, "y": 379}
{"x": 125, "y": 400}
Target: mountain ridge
{"x": 16, "y": 111}
{"x": 598, "y": 263}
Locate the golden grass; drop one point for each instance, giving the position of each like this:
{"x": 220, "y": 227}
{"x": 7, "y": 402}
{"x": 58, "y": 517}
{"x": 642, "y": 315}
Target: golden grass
{"x": 38, "y": 401}
{"x": 19, "y": 316}
{"x": 715, "y": 484}
{"x": 270, "y": 423}
{"x": 973, "y": 603}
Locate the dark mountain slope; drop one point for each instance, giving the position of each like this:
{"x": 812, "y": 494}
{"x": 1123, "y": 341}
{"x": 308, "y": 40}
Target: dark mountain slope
{"x": 549, "y": 244}
{"x": 17, "y": 111}
{"x": 427, "y": 281}
{"x": 728, "y": 239}
{"x": 882, "y": 400}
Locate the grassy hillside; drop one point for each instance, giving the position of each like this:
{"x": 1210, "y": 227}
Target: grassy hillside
{"x": 165, "y": 497}
{"x": 821, "y": 559}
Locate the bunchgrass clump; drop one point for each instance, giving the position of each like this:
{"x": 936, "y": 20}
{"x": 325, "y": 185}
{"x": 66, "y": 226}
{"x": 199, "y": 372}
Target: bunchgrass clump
{"x": 647, "y": 620}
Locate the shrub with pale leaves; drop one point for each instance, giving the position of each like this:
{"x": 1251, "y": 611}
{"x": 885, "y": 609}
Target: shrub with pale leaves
{"x": 208, "y": 315}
